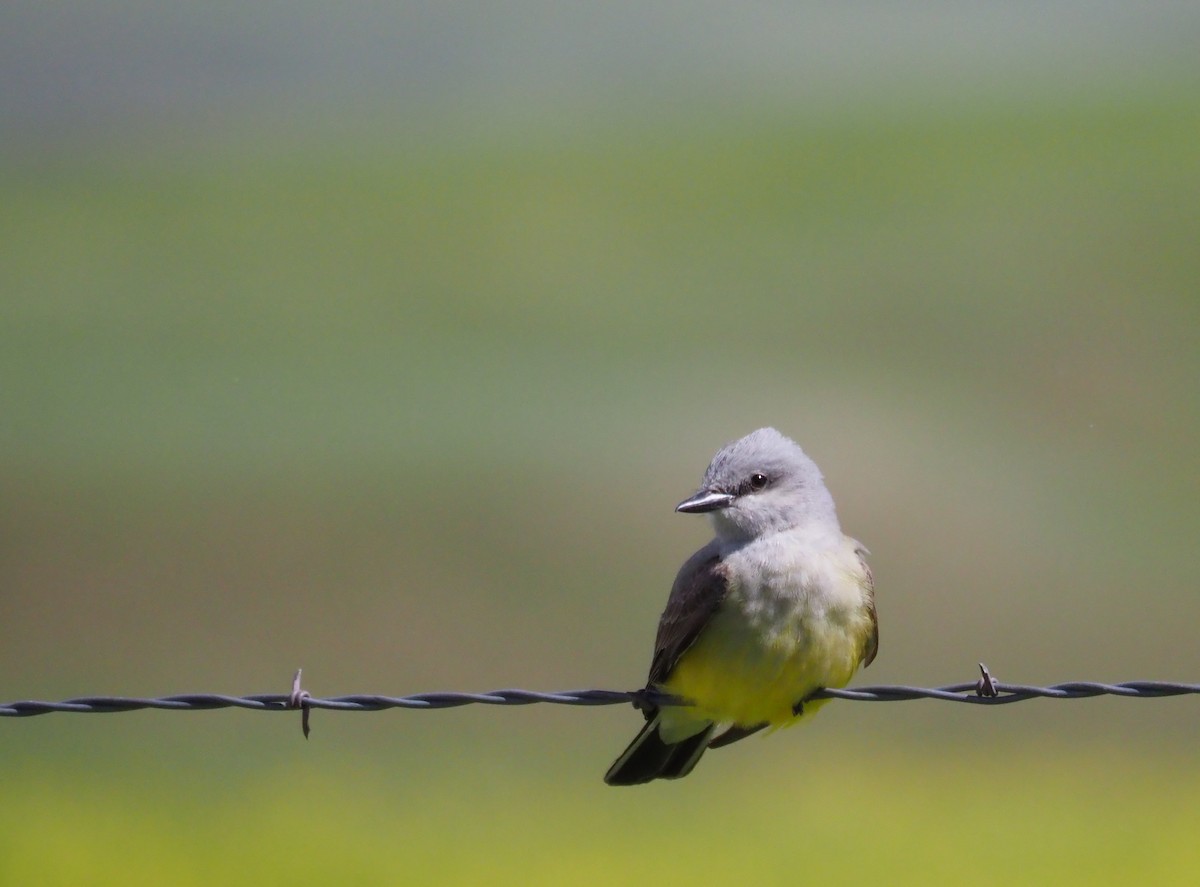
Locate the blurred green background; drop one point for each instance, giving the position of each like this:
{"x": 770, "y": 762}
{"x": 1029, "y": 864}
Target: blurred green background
{"x": 383, "y": 342}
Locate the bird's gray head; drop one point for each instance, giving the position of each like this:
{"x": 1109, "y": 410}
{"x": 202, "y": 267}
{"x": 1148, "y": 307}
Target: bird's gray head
{"x": 762, "y": 484}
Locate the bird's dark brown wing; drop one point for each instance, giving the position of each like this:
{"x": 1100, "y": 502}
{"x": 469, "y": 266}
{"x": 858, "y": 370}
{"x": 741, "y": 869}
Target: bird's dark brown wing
{"x": 698, "y": 591}
{"x": 872, "y": 645}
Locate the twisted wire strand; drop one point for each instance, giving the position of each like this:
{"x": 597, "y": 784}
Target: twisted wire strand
{"x": 299, "y": 699}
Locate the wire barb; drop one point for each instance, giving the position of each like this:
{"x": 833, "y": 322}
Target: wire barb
{"x": 985, "y": 691}
{"x": 299, "y": 699}
{"x": 986, "y": 686}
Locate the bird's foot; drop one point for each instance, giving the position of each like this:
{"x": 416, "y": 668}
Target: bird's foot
{"x": 798, "y": 708}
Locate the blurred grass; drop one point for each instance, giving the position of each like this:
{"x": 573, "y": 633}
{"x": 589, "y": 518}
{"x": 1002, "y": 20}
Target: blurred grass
{"x": 275, "y": 292}
{"x": 409, "y": 406}
{"x": 1060, "y": 816}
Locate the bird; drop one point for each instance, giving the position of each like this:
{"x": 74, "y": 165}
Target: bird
{"x": 778, "y": 606}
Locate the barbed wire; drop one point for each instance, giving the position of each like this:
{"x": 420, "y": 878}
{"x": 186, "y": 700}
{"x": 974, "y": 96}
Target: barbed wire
{"x": 985, "y": 691}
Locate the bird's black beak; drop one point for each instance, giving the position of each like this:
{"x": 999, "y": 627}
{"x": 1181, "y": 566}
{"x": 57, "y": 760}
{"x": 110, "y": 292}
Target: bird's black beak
{"x": 705, "y": 500}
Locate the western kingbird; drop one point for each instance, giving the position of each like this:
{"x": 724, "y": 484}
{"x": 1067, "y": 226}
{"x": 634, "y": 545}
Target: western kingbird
{"x": 779, "y": 605}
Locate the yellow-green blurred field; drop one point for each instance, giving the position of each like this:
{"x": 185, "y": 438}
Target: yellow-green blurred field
{"x": 409, "y": 404}
{"x": 864, "y": 813}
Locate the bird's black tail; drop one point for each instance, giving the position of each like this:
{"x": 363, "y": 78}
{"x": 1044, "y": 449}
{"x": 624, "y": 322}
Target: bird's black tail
{"x": 649, "y": 757}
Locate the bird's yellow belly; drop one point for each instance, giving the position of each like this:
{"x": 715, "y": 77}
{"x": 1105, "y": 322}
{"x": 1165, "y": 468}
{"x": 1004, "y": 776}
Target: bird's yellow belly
{"x": 737, "y": 672}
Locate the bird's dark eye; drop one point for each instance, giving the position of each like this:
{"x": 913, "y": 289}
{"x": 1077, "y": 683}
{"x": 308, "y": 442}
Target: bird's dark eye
{"x": 758, "y": 481}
